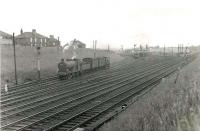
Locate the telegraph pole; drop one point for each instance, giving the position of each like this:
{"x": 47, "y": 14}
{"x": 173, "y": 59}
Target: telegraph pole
{"x": 134, "y": 50}
{"x": 38, "y": 56}
{"x": 182, "y": 49}
{"x": 164, "y": 49}
{"x": 58, "y": 47}
{"x": 178, "y": 48}
{"x": 134, "y": 47}
{"x": 94, "y": 47}
{"x": 15, "y": 58}
{"x": 38, "y": 61}
{"x": 109, "y": 51}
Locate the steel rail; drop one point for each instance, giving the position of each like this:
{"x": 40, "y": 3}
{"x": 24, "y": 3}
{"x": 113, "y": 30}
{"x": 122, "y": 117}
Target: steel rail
{"x": 41, "y": 84}
{"x": 95, "y": 111}
{"x": 84, "y": 87}
{"x": 54, "y": 89}
{"x": 30, "y": 84}
{"x": 61, "y": 104}
{"x": 105, "y": 97}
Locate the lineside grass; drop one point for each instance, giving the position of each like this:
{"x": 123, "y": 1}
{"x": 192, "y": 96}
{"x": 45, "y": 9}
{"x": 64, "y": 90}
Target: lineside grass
{"x": 171, "y": 106}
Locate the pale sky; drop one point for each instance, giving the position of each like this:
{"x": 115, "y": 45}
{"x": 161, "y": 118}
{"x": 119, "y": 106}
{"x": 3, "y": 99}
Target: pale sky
{"x": 113, "y": 22}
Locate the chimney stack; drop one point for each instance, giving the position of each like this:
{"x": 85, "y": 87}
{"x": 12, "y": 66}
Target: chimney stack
{"x": 21, "y": 31}
{"x": 51, "y": 36}
{"x": 33, "y": 31}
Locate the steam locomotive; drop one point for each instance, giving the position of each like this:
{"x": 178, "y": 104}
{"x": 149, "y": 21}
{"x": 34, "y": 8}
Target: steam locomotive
{"x": 76, "y": 67}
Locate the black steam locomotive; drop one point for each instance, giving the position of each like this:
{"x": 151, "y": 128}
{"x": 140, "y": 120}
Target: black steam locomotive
{"x": 76, "y": 67}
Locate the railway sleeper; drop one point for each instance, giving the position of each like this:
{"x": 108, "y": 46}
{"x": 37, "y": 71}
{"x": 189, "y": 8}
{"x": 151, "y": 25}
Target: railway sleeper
{"x": 101, "y": 107}
{"x": 61, "y": 118}
{"x": 42, "y": 115}
{"x": 32, "y": 120}
{"x": 28, "y": 130}
{"x": 114, "y": 100}
{"x": 45, "y": 122}
{"x": 24, "y": 123}
{"x": 86, "y": 115}
{"x": 63, "y": 128}
{"x": 94, "y": 112}
{"x": 71, "y": 124}
{"x": 40, "y": 124}
{"x": 36, "y": 118}
{"x": 12, "y": 128}
{"x": 46, "y": 113}
{"x": 66, "y": 107}
{"x": 34, "y": 128}
{"x": 79, "y": 120}
{"x": 90, "y": 113}
{"x": 81, "y": 117}
{"x": 61, "y": 114}
{"x": 94, "y": 120}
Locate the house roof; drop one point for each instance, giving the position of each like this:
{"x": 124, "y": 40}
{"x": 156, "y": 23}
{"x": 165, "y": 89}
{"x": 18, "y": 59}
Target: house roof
{"x": 76, "y": 42}
{"x": 53, "y": 39}
{"x": 29, "y": 35}
{"x": 5, "y": 34}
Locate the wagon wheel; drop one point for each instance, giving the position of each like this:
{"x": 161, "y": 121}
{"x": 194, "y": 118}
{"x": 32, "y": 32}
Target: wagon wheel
{"x": 69, "y": 76}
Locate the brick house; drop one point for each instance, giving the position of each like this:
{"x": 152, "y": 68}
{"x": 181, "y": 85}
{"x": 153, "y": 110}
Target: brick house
{"x": 34, "y": 39}
{"x": 53, "y": 41}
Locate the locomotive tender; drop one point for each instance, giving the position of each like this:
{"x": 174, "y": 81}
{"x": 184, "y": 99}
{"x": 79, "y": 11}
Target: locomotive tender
{"x": 76, "y": 67}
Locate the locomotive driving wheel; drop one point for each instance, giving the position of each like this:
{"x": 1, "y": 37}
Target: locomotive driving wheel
{"x": 69, "y": 76}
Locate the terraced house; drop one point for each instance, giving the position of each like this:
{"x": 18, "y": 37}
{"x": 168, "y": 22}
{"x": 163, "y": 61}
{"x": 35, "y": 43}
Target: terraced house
{"x": 35, "y": 39}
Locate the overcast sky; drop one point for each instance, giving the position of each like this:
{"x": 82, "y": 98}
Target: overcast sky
{"x": 114, "y": 22}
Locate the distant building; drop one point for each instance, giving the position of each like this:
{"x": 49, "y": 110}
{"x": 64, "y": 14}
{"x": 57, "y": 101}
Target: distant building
{"x": 5, "y": 38}
{"x": 53, "y": 41}
{"x": 77, "y": 44}
{"x": 35, "y": 39}
{"x": 74, "y": 44}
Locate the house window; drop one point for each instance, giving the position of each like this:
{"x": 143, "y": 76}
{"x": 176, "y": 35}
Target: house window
{"x": 41, "y": 40}
{"x": 45, "y": 40}
{"x": 31, "y": 40}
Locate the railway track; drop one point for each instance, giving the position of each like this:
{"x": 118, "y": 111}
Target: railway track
{"x": 12, "y": 100}
{"x": 121, "y": 65}
{"x": 35, "y": 87}
{"x": 54, "y": 78}
{"x": 105, "y": 92}
{"x": 60, "y": 96}
{"x": 29, "y": 93}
